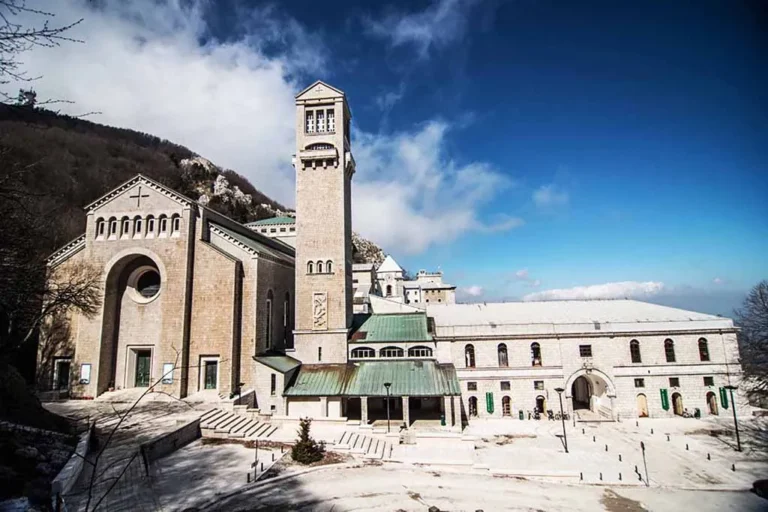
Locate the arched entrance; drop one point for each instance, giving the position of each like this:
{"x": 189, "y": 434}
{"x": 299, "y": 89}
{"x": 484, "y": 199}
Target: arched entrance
{"x": 472, "y": 406}
{"x": 642, "y": 406}
{"x": 590, "y": 389}
{"x": 712, "y": 403}
{"x": 541, "y": 404}
{"x": 677, "y": 404}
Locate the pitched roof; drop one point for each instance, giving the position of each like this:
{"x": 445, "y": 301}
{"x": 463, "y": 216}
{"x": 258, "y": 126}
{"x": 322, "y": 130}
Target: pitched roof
{"x": 389, "y": 265}
{"x": 316, "y": 83}
{"x": 140, "y": 178}
{"x": 390, "y": 327}
{"x": 272, "y": 221}
{"x": 280, "y": 362}
{"x": 252, "y": 241}
{"x": 426, "y": 285}
{"x": 407, "y": 378}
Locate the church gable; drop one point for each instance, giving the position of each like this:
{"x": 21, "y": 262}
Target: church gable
{"x": 139, "y": 195}
{"x": 319, "y": 90}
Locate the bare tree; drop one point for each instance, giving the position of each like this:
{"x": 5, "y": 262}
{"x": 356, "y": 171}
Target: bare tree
{"x": 17, "y": 39}
{"x": 752, "y": 318}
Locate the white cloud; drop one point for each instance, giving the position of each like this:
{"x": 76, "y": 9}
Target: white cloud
{"x": 409, "y": 195}
{"x": 549, "y": 196}
{"x": 440, "y": 24}
{"x": 153, "y": 66}
{"x": 717, "y": 280}
{"x": 522, "y": 274}
{"x": 619, "y": 290}
{"x": 387, "y": 100}
{"x": 473, "y": 291}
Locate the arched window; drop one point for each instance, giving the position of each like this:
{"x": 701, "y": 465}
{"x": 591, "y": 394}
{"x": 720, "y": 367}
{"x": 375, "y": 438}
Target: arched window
{"x": 363, "y": 353}
{"x": 669, "y": 350}
{"x": 287, "y": 321}
{"x": 503, "y": 359}
{"x": 473, "y": 406}
{"x": 270, "y": 298}
{"x": 469, "y": 356}
{"x": 703, "y": 350}
{"x": 112, "y": 227}
{"x": 150, "y": 225}
{"x": 419, "y": 352}
{"x": 329, "y": 267}
{"x": 319, "y": 267}
{"x": 125, "y": 227}
{"x": 389, "y": 290}
{"x": 163, "y": 220}
{"x": 535, "y": 354}
{"x": 309, "y": 267}
{"x": 100, "y": 228}
{"x": 506, "y": 406}
{"x": 176, "y": 223}
{"x": 137, "y": 225}
{"x": 634, "y": 351}
{"x": 391, "y": 352}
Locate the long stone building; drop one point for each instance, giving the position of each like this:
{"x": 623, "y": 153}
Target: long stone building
{"x": 195, "y": 303}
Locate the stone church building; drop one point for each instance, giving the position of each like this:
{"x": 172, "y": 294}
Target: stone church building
{"x": 196, "y": 303}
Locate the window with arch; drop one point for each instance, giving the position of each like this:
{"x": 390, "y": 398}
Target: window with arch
{"x": 310, "y": 268}
{"x": 113, "y": 227}
{"x": 391, "y": 352}
{"x": 535, "y": 354}
{"x": 703, "y": 350}
{"x": 287, "y": 321}
{"x": 469, "y": 356}
{"x": 389, "y": 290}
{"x": 472, "y": 406}
{"x": 329, "y": 267}
{"x": 503, "y": 357}
{"x": 101, "y": 227}
{"x": 319, "y": 267}
{"x": 176, "y": 224}
{"x": 270, "y": 299}
{"x": 137, "y": 225}
{"x": 125, "y": 227}
{"x": 163, "y": 220}
{"x": 506, "y": 406}
{"x": 419, "y": 352}
{"x": 669, "y": 350}
{"x": 363, "y": 353}
{"x": 150, "y": 225}
{"x": 634, "y": 351}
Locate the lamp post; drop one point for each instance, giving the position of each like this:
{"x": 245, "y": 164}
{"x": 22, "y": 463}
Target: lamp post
{"x": 562, "y": 417}
{"x": 386, "y": 385}
{"x": 731, "y": 388}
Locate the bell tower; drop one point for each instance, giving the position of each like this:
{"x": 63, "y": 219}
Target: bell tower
{"x": 324, "y": 168}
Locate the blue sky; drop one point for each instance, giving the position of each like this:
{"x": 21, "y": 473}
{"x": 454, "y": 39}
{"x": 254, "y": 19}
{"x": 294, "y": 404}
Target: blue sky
{"x": 522, "y": 147}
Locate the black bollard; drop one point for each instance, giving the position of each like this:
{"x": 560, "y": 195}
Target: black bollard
{"x": 619, "y": 477}
{"x": 619, "y": 457}
{"x": 581, "y": 476}
{"x": 637, "y": 423}
{"x": 594, "y": 440}
{"x": 640, "y": 477}
{"x": 708, "y": 457}
{"x": 273, "y": 456}
{"x": 601, "y": 477}
{"x": 262, "y": 467}
{"x": 667, "y": 437}
{"x": 249, "y": 476}
{"x": 651, "y": 431}
{"x": 606, "y": 447}
{"x": 582, "y": 431}
{"x": 733, "y": 467}
{"x": 686, "y": 446}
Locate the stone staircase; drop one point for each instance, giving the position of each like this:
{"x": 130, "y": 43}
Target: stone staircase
{"x": 218, "y": 423}
{"x": 367, "y": 446}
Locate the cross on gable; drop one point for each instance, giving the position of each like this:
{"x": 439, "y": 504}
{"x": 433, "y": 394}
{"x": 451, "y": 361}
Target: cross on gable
{"x": 138, "y": 197}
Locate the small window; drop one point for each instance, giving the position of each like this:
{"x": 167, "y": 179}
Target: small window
{"x": 273, "y": 230}
{"x": 469, "y": 356}
{"x": 329, "y": 267}
{"x": 293, "y": 229}
{"x": 331, "y": 120}
{"x": 150, "y": 225}
{"x": 163, "y": 225}
{"x": 320, "y": 121}
{"x": 309, "y": 267}
{"x": 634, "y": 351}
{"x": 282, "y": 230}
{"x": 709, "y": 381}
{"x": 535, "y": 354}
{"x": 100, "y": 227}
{"x": 363, "y": 353}
{"x": 669, "y": 350}
{"x": 505, "y": 385}
{"x": 319, "y": 267}
{"x": 389, "y": 290}
{"x": 674, "y": 382}
{"x": 319, "y": 353}
{"x": 126, "y": 228}
{"x": 263, "y": 230}
{"x": 585, "y": 350}
{"x": 419, "y": 352}
{"x": 176, "y": 224}
{"x": 502, "y": 352}
{"x": 391, "y": 352}
{"x": 703, "y": 350}
{"x": 310, "y": 126}
{"x": 639, "y": 383}
{"x": 137, "y": 225}
{"x": 471, "y": 386}
{"x": 113, "y": 227}
{"x": 538, "y": 384}
{"x": 273, "y": 384}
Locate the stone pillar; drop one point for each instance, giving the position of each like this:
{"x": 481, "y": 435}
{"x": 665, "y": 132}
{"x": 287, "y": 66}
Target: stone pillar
{"x": 323, "y": 406}
{"x": 363, "y": 410}
{"x": 448, "y": 410}
{"x": 406, "y": 412}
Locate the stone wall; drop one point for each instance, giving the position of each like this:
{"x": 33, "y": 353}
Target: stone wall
{"x": 170, "y": 442}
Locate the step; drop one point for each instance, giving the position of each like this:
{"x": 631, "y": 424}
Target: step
{"x": 263, "y": 427}
{"x": 344, "y": 435}
{"x": 208, "y": 415}
{"x": 243, "y": 427}
{"x": 229, "y": 421}
{"x": 226, "y": 429}
{"x": 253, "y": 428}
{"x": 217, "y": 420}
{"x": 270, "y": 431}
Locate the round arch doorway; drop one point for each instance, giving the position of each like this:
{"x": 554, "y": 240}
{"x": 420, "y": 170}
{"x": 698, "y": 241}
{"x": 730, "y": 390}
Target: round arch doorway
{"x": 591, "y": 392}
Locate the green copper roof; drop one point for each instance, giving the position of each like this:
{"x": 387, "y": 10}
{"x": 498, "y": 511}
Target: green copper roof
{"x": 392, "y": 327}
{"x": 279, "y": 362}
{"x": 408, "y": 378}
{"x": 272, "y": 221}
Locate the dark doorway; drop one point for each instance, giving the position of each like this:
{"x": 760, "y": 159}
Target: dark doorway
{"x": 425, "y": 408}
{"x": 581, "y": 391}
{"x": 377, "y": 408}
{"x": 63, "y": 367}
{"x": 352, "y": 411}
{"x": 143, "y": 360}
{"x": 211, "y": 374}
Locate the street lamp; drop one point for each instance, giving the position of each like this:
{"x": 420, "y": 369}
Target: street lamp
{"x": 731, "y": 388}
{"x": 562, "y": 417}
{"x": 386, "y": 385}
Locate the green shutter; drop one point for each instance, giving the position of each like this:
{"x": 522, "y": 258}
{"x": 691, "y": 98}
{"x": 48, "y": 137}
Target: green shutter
{"x": 664, "y": 400}
{"x": 724, "y": 397}
{"x": 489, "y": 402}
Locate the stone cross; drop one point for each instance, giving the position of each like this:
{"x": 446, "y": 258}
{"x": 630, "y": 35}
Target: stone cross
{"x": 138, "y": 197}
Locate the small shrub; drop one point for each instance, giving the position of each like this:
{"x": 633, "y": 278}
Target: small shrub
{"x": 307, "y": 450}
